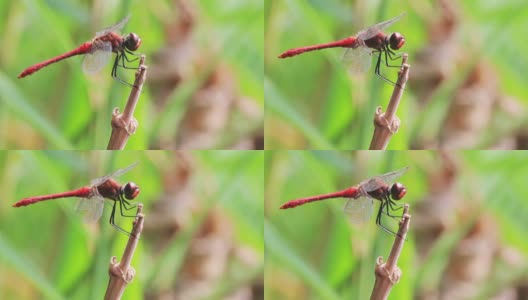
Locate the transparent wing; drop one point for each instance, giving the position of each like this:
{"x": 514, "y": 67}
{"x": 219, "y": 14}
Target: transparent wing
{"x": 97, "y": 58}
{"x": 359, "y": 210}
{"x": 374, "y": 29}
{"x": 115, "y": 174}
{"x": 114, "y": 28}
{"x": 357, "y": 60}
{"x": 387, "y": 179}
{"x": 91, "y": 208}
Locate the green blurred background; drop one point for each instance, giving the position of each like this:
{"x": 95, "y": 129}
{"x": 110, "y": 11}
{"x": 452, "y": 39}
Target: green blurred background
{"x": 467, "y": 236}
{"x": 203, "y": 88}
{"x": 202, "y": 238}
{"x": 467, "y": 78}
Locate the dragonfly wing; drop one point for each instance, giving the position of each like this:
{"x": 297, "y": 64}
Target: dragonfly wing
{"x": 357, "y": 60}
{"x": 114, "y": 28}
{"x": 391, "y": 177}
{"x": 115, "y": 174}
{"x": 96, "y": 59}
{"x": 359, "y": 210}
{"x": 90, "y": 208}
{"x": 388, "y": 179}
{"x": 375, "y": 29}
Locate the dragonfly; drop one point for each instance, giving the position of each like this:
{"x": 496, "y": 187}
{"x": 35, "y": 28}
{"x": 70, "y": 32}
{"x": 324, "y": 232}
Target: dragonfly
{"x": 362, "y": 46}
{"x": 92, "y": 197}
{"x": 98, "y": 52}
{"x": 361, "y": 198}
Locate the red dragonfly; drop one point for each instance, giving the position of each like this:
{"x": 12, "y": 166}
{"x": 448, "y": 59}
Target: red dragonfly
{"x": 362, "y": 196}
{"x": 92, "y": 197}
{"x": 362, "y": 46}
{"x": 97, "y": 52}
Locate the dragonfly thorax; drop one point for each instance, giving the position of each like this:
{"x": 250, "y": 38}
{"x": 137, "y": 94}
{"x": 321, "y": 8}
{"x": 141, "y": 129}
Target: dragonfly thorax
{"x": 379, "y": 193}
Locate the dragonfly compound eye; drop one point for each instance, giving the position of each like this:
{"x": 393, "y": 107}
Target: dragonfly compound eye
{"x": 396, "y": 41}
{"x": 131, "y": 190}
{"x": 398, "y": 191}
{"x": 132, "y": 42}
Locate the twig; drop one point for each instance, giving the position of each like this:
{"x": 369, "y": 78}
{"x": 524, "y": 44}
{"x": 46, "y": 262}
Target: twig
{"x": 387, "y": 274}
{"x": 386, "y": 124}
{"x": 124, "y": 125}
{"x": 121, "y": 274}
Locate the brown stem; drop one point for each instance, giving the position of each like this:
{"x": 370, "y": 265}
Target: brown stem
{"x": 386, "y": 124}
{"x": 387, "y": 274}
{"x": 121, "y": 274}
{"x": 124, "y": 125}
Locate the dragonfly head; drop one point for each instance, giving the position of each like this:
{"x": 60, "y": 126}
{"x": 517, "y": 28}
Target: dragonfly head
{"x": 130, "y": 190}
{"x": 132, "y": 42}
{"x": 396, "y": 41}
{"x": 398, "y": 191}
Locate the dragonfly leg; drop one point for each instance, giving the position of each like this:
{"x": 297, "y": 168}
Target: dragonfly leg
{"x": 395, "y": 217}
{"x": 385, "y": 204}
{"x": 398, "y": 206}
{"x": 390, "y": 55}
{"x": 128, "y": 205}
{"x": 114, "y": 72}
{"x": 389, "y": 204}
{"x": 393, "y": 55}
{"x": 138, "y": 55}
{"x": 132, "y": 53}
{"x": 125, "y": 57}
{"x": 377, "y": 70}
{"x": 125, "y": 205}
{"x": 112, "y": 221}
{"x": 378, "y": 220}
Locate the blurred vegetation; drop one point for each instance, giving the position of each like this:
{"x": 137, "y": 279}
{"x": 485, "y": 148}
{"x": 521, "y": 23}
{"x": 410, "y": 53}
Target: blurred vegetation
{"x": 467, "y": 79}
{"x": 474, "y": 202}
{"x": 60, "y": 107}
{"x": 190, "y": 199}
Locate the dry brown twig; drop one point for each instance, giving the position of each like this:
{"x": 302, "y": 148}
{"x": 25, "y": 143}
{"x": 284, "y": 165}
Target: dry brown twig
{"x": 124, "y": 125}
{"x": 387, "y": 274}
{"x": 121, "y": 273}
{"x": 386, "y": 124}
